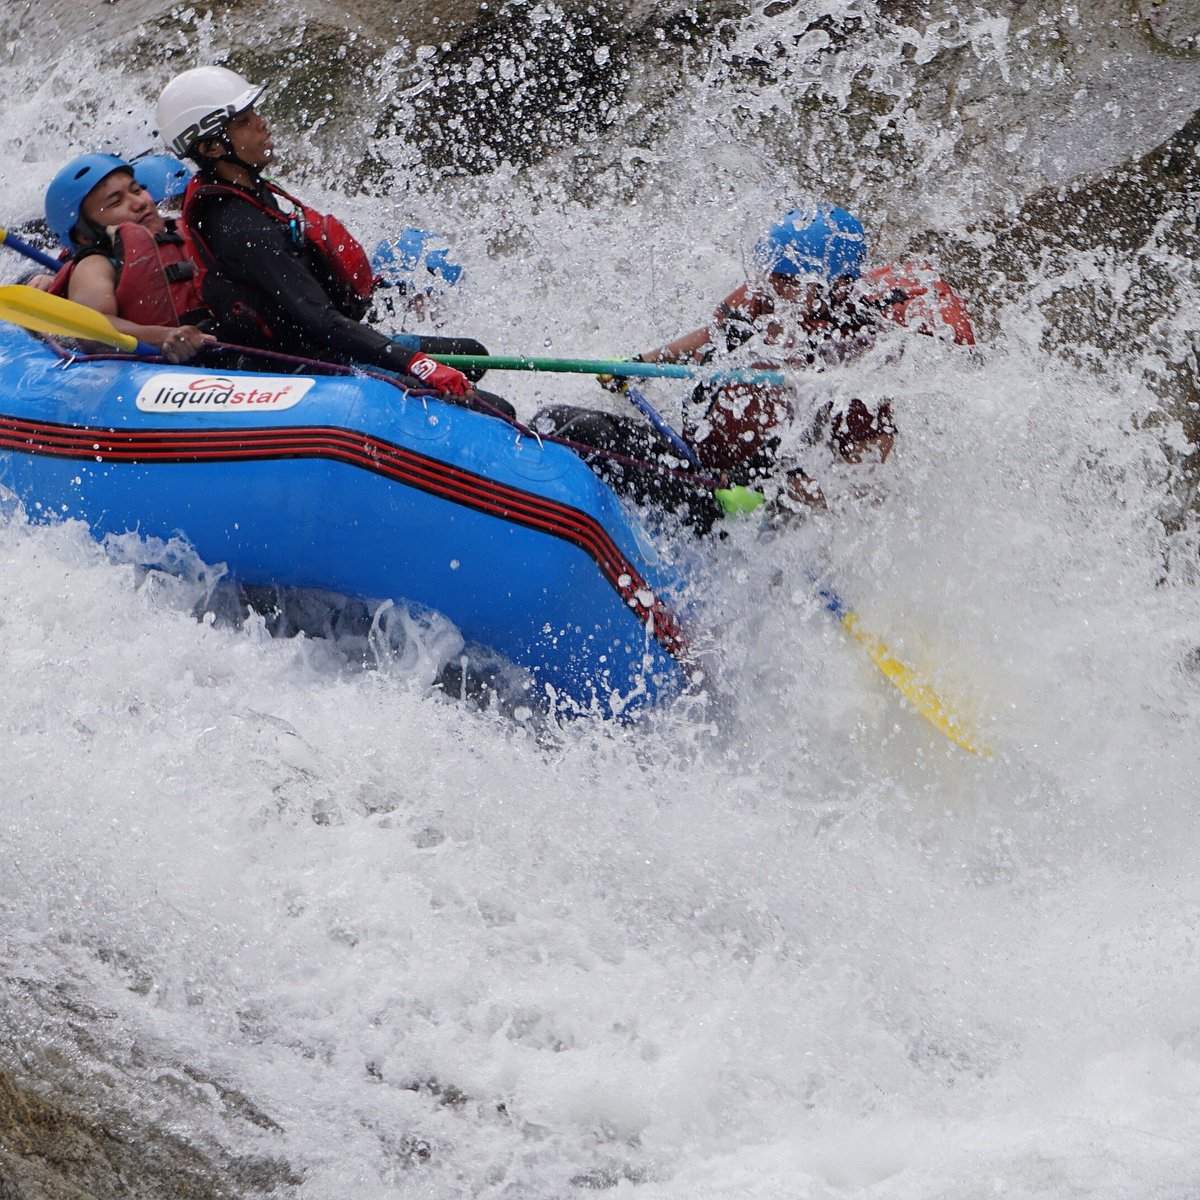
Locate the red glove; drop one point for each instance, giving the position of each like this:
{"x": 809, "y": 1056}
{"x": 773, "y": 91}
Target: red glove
{"x": 444, "y": 379}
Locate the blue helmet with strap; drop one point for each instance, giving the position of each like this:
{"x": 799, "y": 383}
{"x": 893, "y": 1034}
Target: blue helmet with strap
{"x": 824, "y": 242}
{"x": 69, "y": 188}
{"x": 162, "y": 175}
{"x": 417, "y": 260}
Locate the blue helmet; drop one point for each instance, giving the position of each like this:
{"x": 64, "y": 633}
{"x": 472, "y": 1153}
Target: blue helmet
{"x": 407, "y": 260}
{"x": 69, "y": 188}
{"x": 162, "y": 175}
{"x": 827, "y": 242}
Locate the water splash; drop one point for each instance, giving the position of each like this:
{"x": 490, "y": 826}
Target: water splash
{"x": 781, "y": 941}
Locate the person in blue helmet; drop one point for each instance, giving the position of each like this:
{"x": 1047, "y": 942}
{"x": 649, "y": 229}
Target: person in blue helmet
{"x": 164, "y": 176}
{"x": 802, "y": 309}
{"x": 417, "y": 270}
{"x": 125, "y": 259}
{"x": 807, "y": 307}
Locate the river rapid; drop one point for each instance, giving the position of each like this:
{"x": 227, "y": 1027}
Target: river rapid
{"x": 278, "y": 911}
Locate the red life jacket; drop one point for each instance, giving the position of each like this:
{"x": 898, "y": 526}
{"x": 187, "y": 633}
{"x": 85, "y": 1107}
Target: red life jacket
{"x": 60, "y": 284}
{"x": 927, "y": 304}
{"x": 153, "y": 275}
{"x": 325, "y": 235}
{"x": 741, "y": 420}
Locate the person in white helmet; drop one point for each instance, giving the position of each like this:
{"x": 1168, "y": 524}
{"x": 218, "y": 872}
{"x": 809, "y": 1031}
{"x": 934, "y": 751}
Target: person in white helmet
{"x": 275, "y": 273}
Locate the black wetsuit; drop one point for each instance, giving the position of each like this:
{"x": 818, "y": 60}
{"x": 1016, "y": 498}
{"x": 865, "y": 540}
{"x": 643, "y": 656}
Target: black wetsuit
{"x": 274, "y": 294}
{"x": 657, "y": 475}
{"x": 271, "y": 290}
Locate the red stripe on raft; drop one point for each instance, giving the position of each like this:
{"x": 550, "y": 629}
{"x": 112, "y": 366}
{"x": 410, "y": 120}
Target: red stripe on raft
{"x": 360, "y": 450}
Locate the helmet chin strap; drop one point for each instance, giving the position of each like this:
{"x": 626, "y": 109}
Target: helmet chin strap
{"x": 230, "y": 156}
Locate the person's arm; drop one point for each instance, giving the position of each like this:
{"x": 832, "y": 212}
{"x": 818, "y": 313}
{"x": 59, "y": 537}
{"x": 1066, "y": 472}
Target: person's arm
{"x": 692, "y": 347}
{"x": 700, "y": 345}
{"x": 254, "y": 248}
{"x": 93, "y": 283}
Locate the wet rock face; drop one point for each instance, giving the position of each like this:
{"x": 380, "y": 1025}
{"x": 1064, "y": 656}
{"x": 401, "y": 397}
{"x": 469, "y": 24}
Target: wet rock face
{"x": 1108, "y": 261}
{"x": 916, "y": 109}
{"x": 86, "y": 1113}
{"x": 1174, "y": 24}
{"x": 525, "y": 81}
{"x": 48, "y": 1151}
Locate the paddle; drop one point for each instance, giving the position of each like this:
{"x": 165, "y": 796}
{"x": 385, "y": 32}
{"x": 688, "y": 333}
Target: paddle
{"x": 625, "y": 369}
{"x": 652, "y": 415}
{"x": 43, "y": 313}
{"x": 436, "y": 346}
{"x": 15, "y": 243}
{"x": 920, "y": 695}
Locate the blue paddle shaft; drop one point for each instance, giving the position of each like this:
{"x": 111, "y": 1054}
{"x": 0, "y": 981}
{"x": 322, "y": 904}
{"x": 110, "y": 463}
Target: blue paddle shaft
{"x": 652, "y": 415}
{"x": 39, "y": 256}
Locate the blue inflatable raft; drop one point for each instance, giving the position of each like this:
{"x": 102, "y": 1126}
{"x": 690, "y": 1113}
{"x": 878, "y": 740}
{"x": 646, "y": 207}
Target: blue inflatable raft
{"x": 347, "y": 484}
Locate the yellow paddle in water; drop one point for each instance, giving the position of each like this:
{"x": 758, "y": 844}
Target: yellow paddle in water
{"x": 43, "y": 313}
{"x": 905, "y": 680}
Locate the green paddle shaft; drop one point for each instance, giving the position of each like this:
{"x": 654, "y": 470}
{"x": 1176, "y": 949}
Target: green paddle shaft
{"x": 590, "y": 366}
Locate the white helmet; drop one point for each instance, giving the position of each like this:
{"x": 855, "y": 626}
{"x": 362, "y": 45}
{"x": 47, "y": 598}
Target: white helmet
{"x": 199, "y": 104}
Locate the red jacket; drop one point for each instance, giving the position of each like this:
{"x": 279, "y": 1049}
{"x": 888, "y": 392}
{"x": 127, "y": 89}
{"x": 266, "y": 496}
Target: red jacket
{"x": 929, "y": 305}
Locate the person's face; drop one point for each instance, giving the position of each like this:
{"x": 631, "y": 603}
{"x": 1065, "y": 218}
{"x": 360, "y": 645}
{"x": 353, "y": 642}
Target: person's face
{"x": 806, "y": 293}
{"x": 118, "y": 200}
{"x": 798, "y": 290}
{"x": 250, "y": 137}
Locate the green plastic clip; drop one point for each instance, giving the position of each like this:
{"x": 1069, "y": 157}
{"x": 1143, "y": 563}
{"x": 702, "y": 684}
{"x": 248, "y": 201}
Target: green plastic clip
{"x": 736, "y": 500}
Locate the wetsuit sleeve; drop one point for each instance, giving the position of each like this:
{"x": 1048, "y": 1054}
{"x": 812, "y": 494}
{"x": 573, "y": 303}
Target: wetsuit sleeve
{"x": 255, "y": 249}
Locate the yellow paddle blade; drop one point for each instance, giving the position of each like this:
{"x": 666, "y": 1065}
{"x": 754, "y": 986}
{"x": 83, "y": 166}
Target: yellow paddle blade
{"x": 920, "y": 695}
{"x": 43, "y": 313}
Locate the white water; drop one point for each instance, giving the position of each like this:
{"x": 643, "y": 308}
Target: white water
{"x": 790, "y": 944}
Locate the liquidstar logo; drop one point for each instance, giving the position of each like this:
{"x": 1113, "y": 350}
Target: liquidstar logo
{"x": 179, "y": 391}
